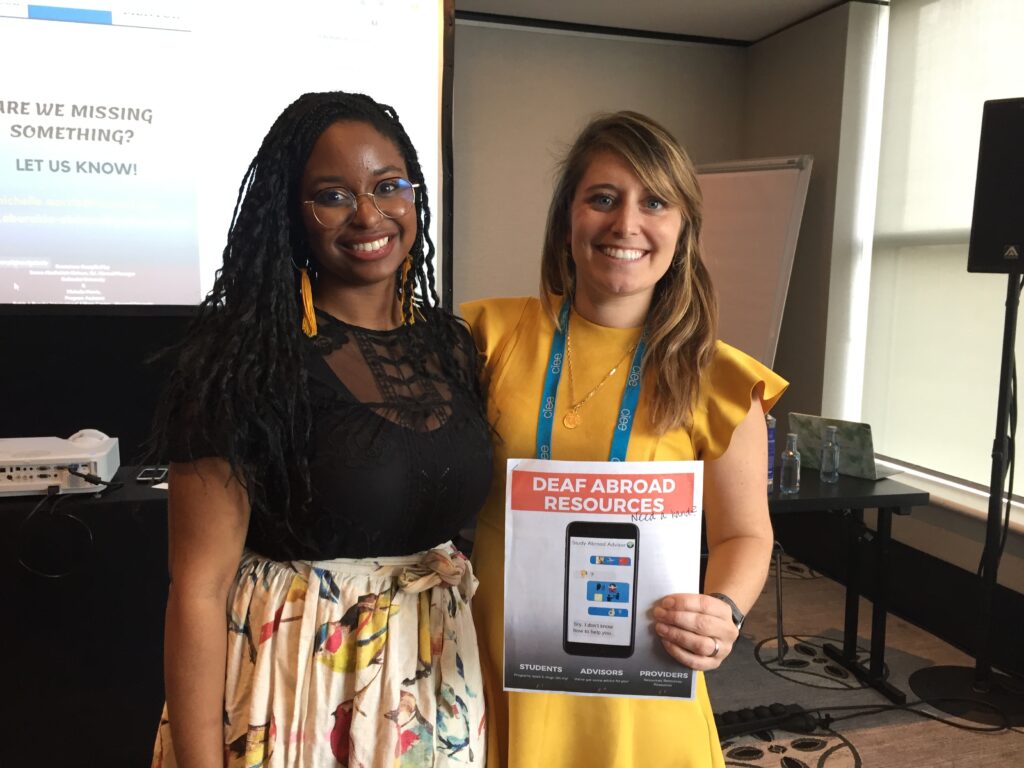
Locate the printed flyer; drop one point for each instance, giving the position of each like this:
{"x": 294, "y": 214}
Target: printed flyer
{"x": 590, "y": 547}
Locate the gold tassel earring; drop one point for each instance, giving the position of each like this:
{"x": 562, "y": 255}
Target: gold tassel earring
{"x": 308, "y": 315}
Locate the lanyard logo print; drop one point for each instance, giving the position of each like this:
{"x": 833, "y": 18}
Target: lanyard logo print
{"x": 625, "y": 420}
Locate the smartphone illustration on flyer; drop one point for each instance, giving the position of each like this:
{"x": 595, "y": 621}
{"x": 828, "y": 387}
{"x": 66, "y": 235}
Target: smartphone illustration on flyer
{"x": 599, "y": 617}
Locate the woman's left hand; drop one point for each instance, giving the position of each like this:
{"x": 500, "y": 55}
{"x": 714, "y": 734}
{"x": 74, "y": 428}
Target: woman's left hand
{"x": 696, "y": 630}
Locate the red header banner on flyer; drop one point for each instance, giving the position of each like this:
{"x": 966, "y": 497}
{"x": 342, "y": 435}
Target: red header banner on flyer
{"x": 612, "y": 494}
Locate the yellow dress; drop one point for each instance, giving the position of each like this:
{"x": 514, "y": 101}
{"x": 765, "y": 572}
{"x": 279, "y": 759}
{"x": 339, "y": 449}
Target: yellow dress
{"x": 538, "y": 730}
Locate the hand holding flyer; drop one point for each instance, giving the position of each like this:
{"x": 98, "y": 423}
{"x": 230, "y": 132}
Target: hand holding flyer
{"x": 590, "y": 547}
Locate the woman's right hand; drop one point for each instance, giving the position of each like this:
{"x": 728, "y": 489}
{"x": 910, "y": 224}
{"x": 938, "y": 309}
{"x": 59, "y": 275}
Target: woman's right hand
{"x": 207, "y": 520}
{"x": 696, "y": 630}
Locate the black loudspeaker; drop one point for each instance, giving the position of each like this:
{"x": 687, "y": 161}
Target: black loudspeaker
{"x": 997, "y": 229}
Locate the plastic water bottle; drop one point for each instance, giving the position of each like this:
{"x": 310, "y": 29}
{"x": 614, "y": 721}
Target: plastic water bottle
{"x": 789, "y": 480}
{"x": 770, "y": 422}
{"x": 829, "y": 456}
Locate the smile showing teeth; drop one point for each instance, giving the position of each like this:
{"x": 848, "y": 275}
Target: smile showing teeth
{"x": 375, "y": 245}
{"x": 623, "y": 254}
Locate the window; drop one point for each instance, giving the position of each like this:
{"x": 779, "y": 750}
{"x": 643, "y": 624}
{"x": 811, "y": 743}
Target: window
{"x": 934, "y": 331}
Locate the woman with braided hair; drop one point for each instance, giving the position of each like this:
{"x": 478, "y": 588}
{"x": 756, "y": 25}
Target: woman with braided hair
{"x": 327, "y": 442}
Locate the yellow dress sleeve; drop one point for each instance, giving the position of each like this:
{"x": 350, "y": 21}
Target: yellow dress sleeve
{"x": 493, "y": 323}
{"x": 725, "y": 398}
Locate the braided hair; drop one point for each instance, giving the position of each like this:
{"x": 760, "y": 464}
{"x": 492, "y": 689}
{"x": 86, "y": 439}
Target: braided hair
{"x": 239, "y": 388}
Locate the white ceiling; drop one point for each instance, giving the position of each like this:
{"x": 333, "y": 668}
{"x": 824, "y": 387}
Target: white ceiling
{"x": 729, "y": 19}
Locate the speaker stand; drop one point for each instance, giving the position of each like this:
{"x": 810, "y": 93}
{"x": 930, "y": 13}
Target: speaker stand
{"x": 981, "y": 688}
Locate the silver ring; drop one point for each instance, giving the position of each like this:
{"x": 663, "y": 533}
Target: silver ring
{"x": 718, "y": 647}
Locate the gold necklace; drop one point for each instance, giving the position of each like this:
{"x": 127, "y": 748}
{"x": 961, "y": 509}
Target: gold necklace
{"x": 572, "y": 418}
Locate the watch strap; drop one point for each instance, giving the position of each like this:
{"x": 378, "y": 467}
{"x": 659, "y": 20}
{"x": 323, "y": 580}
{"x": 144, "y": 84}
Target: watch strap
{"x": 738, "y": 616}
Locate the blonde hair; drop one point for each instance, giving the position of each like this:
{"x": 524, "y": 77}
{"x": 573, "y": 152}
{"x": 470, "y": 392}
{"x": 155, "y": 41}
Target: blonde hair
{"x": 682, "y": 321}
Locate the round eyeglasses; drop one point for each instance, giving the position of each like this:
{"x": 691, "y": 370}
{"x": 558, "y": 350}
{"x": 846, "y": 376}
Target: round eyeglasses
{"x": 333, "y": 208}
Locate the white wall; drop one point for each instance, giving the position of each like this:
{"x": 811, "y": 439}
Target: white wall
{"x": 521, "y": 96}
{"x": 794, "y": 105}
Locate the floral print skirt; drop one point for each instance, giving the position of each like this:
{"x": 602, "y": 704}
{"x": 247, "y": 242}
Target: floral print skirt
{"x": 358, "y": 663}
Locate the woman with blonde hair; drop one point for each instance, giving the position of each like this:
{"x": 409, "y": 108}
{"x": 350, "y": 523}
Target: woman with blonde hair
{"x": 622, "y": 277}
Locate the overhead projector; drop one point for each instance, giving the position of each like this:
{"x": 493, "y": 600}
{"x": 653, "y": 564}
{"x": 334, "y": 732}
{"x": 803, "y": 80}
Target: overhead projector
{"x": 82, "y": 463}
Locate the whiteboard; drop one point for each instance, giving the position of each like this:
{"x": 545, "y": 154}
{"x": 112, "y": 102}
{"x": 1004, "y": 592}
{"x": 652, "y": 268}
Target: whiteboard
{"x": 752, "y": 214}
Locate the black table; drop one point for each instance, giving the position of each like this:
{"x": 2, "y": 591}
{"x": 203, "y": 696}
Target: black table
{"x": 850, "y": 497}
{"x": 84, "y": 590}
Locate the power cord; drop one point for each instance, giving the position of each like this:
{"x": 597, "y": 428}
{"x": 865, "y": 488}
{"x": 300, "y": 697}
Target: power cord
{"x": 53, "y": 493}
{"x": 793, "y": 717}
{"x": 826, "y": 719}
{"x": 91, "y": 478}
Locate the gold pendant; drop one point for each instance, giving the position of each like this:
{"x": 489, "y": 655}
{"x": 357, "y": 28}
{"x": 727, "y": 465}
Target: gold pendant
{"x": 571, "y": 420}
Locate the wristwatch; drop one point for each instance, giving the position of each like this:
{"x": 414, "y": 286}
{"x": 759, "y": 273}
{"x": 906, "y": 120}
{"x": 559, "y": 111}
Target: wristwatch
{"x": 737, "y": 615}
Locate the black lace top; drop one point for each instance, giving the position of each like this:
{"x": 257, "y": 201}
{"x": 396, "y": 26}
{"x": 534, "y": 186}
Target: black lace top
{"x": 399, "y": 456}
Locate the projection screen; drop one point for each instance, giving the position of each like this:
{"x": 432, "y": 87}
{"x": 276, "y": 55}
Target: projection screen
{"x": 126, "y": 128}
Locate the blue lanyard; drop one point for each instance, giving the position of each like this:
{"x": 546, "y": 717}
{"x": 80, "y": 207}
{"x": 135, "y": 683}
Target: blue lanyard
{"x": 627, "y": 410}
